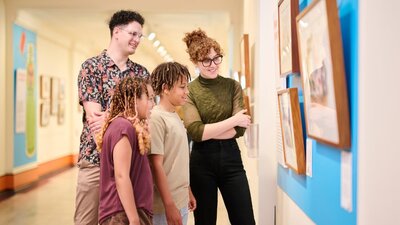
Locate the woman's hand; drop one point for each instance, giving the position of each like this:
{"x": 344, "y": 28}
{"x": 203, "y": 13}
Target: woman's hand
{"x": 242, "y": 119}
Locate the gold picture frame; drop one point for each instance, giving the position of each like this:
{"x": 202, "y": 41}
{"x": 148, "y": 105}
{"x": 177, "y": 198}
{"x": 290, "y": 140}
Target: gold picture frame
{"x": 54, "y": 95}
{"x": 44, "y": 114}
{"x": 61, "y": 113}
{"x": 323, "y": 74}
{"x": 292, "y": 131}
{"x": 61, "y": 92}
{"x": 288, "y": 50}
{"x": 44, "y": 87}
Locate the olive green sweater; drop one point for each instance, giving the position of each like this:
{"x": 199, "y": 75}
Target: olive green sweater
{"x": 212, "y": 101}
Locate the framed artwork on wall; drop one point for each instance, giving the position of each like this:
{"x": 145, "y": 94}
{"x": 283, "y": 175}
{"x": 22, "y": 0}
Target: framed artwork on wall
{"x": 323, "y": 74}
{"x": 54, "y": 95}
{"x": 61, "y": 113}
{"x": 292, "y": 131}
{"x": 44, "y": 87}
{"x": 246, "y": 101}
{"x": 288, "y": 50}
{"x": 44, "y": 114}
{"x": 61, "y": 93}
{"x": 245, "y": 60}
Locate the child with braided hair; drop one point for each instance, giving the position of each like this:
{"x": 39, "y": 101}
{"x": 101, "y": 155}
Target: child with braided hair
{"x": 169, "y": 154}
{"x": 126, "y": 184}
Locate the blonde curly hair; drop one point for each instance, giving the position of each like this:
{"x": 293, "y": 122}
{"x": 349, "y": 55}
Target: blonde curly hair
{"x": 123, "y": 104}
{"x": 199, "y": 45}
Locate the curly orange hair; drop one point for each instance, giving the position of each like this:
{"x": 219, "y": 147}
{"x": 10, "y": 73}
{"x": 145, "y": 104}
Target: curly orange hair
{"x": 199, "y": 45}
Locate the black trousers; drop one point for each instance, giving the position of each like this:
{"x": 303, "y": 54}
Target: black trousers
{"x": 218, "y": 164}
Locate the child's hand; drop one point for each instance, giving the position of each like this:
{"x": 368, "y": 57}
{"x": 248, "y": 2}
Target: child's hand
{"x": 173, "y": 215}
{"x": 192, "y": 201}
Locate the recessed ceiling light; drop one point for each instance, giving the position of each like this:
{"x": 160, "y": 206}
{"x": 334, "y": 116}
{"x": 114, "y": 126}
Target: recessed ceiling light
{"x": 151, "y": 36}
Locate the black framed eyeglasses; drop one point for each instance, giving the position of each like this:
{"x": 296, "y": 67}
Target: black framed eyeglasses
{"x": 217, "y": 60}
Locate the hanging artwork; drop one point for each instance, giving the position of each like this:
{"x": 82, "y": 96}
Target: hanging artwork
{"x": 61, "y": 93}
{"x": 61, "y": 113}
{"x": 44, "y": 114}
{"x": 54, "y": 95}
{"x": 292, "y": 131}
{"x": 44, "y": 87}
{"x": 24, "y": 77}
{"x": 245, "y": 60}
{"x": 323, "y": 74}
{"x": 288, "y": 50}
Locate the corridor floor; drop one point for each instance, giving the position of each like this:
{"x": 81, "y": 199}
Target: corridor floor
{"x": 52, "y": 202}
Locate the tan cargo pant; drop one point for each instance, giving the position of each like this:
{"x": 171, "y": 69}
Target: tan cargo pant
{"x": 87, "y": 194}
{"x": 122, "y": 219}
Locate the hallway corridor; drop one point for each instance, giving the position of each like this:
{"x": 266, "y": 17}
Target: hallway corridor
{"x": 52, "y": 200}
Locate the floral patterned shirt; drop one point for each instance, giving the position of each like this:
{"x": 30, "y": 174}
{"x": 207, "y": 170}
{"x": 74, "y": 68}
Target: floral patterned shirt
{"x": 96, "y": 82}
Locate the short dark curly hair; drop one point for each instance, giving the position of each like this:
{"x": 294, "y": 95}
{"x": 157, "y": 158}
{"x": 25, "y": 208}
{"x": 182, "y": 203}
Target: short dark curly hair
{"x": 124, "y": 17}
{"x": 168, "y": 73}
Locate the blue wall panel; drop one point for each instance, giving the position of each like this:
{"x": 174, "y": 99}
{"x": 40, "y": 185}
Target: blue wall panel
{"x": 319, "y": 196}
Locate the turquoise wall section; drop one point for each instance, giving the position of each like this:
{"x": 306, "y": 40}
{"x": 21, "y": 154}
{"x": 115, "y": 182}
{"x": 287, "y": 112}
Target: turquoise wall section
{"x": 22, "y": 38}
{"x": 319, "y": 196}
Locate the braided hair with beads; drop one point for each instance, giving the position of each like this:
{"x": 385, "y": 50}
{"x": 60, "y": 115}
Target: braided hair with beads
{"x": 123, "y": 104}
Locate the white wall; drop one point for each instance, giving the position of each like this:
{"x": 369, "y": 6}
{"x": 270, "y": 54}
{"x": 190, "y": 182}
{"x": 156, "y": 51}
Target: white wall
{"x": 288, "y": 213}
{"x": 265, "y": 109}
{"x": 54, "y": 60}
{"x": 379, "y": 111}
{"x": 251, "y": 164}
{"x": 145, "y": 58}
{"x": 2, "y": 88}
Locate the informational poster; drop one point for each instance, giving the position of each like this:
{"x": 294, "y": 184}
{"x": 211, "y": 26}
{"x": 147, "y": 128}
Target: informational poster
{"x": 20, "y": 101}
{"x": 25, "y": 78}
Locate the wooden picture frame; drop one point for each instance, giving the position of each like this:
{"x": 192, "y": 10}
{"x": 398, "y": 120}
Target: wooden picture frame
{"x": 288, "y": 50}
{"x": 44, "y": 114}
{"x": 245, "y": 60}
{"x": 61, "y": 113}
{"x": 44, "y": 87}
{"x": 61, "y": 92}
{"x": 323, "y": 74}
{"x": 246, "y": 102}
{"x": 292, "y": 131}
{"x": 54, "y": 95}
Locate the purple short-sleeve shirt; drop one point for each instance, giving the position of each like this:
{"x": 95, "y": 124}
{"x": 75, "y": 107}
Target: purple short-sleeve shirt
{"x": 140, "y": 173}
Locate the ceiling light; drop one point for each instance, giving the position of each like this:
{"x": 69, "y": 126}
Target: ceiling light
{"x": 151, "y": 36}
{"x": 164, "y": 53}
{"x": 156, "y": 43}
{"x": 160, "y": 49}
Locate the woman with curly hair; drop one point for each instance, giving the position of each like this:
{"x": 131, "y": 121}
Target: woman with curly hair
{"x": 126, "y": 183}
{"x": 214, "y": 117}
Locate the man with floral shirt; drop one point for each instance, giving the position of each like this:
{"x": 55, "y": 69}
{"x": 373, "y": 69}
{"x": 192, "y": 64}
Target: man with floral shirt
{"x": 96, "y": 82}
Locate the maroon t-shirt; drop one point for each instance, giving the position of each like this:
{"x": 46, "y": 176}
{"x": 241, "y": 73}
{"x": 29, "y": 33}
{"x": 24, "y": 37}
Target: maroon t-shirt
{"x": 140, "y": 174}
